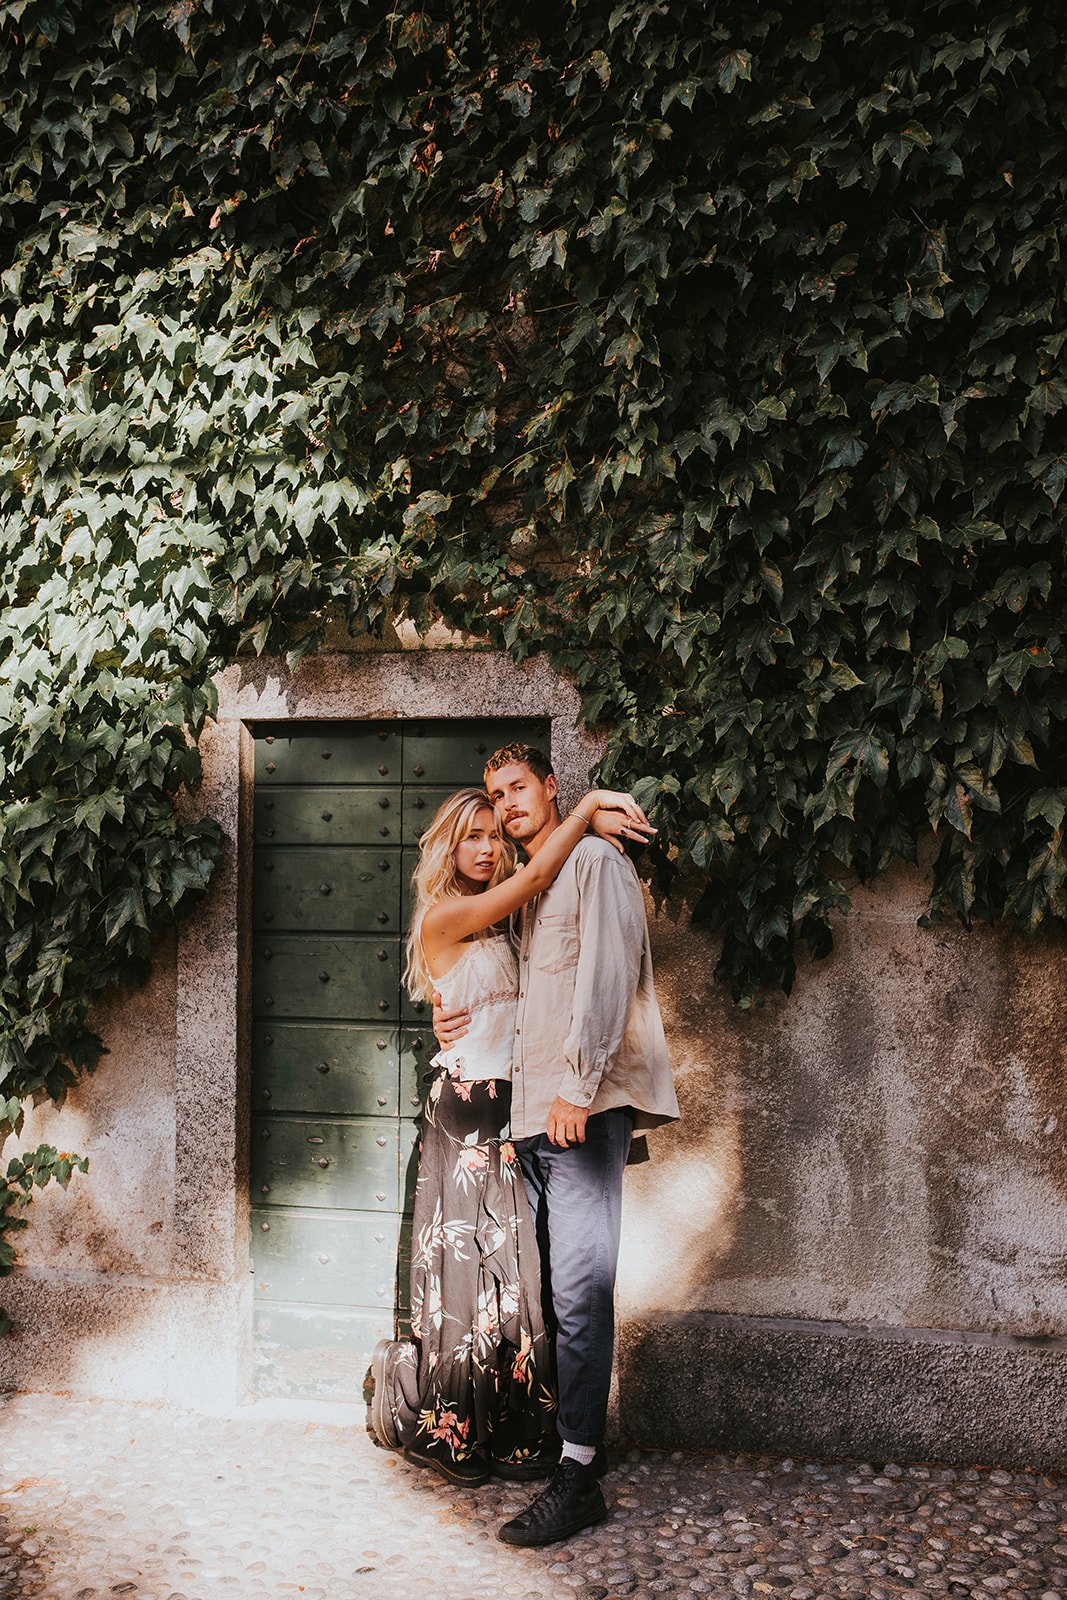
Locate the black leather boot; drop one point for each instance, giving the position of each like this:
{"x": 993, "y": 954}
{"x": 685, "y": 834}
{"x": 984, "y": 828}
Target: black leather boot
{"x": 467, "y": 1471}
{"x": 571, "y": 1502}
{"x": 383, "y": 1419}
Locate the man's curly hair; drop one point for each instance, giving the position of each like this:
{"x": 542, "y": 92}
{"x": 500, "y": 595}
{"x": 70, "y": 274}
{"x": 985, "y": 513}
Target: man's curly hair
{"x": 527, "y": 755}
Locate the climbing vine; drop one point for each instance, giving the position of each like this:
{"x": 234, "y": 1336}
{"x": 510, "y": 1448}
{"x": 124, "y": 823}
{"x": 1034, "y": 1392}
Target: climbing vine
{"x": 713, "y": 351}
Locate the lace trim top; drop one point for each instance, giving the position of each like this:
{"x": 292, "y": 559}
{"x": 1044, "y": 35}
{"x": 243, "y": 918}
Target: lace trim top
{"x": 485, "y": 979}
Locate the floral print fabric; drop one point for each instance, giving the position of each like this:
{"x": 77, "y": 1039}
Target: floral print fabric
{"x": 478, "y": 1379}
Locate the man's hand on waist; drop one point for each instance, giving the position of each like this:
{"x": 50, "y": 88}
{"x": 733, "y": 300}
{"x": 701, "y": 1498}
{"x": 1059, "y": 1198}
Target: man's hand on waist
{"x": 566, "y": 1123}
{"x": 449, "y": 1026}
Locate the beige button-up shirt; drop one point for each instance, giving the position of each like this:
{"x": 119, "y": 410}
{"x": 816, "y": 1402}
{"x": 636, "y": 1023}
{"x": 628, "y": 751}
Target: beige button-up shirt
{"x": 588, "y": 1026}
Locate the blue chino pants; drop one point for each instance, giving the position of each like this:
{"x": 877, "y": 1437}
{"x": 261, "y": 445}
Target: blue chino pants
{"x": 576, "y": 1198}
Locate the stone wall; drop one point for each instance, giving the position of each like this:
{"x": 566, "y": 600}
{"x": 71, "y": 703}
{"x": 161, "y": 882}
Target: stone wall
{"x": 854, "y": 1241}
{"x": 103, "y": 1301}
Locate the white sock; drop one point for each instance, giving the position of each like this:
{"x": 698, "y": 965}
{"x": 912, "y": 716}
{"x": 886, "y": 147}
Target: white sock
{"x": 582, "y": 1453}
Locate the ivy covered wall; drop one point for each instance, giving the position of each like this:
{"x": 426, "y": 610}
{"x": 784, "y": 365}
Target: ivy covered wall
{"x": 711, "y": 349}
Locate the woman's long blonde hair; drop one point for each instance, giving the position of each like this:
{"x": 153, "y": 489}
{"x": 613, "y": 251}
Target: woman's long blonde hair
{"x": 436, "y": 879}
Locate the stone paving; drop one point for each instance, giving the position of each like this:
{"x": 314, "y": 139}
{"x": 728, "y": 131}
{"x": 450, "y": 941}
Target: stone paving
{"x": 102, "y": 1499}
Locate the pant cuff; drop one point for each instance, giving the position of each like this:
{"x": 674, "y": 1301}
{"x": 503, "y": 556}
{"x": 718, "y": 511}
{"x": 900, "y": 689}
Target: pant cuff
{"x": 574, "y": 1436}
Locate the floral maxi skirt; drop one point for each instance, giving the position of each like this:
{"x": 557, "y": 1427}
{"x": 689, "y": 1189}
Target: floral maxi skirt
{"x": 478, "y": 1378}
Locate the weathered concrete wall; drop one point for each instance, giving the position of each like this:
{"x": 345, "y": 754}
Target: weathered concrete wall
{"x": 884, "y": 1152}
{"x": 854, "y": 1241}
{"x": 119, "y": 1219}
{"x": 101, "y": 1304}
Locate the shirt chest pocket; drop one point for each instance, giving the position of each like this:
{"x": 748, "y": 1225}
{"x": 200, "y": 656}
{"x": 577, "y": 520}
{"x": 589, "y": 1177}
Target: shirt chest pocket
{"x": 554, "y": 947}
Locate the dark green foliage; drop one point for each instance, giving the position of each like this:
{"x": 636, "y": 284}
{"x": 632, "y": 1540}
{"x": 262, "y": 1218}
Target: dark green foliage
{"x": 714, "y": 351}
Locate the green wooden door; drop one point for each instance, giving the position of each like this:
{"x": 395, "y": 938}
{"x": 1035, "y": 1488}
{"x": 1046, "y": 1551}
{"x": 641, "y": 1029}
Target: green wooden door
{"x": 338, "y": 1050}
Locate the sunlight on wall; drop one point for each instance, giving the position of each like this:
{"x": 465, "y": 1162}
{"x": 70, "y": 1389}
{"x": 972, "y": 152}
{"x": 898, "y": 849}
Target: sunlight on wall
{"x": 678, "y": 1219}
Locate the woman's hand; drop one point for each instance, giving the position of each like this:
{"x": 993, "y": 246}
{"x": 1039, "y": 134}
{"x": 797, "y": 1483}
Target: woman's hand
{"x": 617, "y": 817}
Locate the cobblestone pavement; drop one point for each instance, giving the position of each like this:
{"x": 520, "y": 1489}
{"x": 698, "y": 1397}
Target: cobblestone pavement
{"x": 101, "y": 1499}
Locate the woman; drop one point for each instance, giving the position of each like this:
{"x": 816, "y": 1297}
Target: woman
{"x": 474, "y": 1395}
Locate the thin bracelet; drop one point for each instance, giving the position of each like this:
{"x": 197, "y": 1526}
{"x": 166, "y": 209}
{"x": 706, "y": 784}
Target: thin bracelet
{"x": 578, "y": 812}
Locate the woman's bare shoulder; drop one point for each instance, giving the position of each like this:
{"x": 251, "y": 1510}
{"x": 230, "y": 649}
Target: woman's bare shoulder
{"x": 434, "y": 916}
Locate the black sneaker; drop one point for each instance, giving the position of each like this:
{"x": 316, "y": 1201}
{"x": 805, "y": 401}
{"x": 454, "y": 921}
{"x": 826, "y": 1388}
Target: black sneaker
{"x": 571, "y": 1502}
{"x": 468, "y": 1472}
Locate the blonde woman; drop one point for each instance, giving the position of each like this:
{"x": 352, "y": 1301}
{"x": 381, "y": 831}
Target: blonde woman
{"x": 473, "y": 1395}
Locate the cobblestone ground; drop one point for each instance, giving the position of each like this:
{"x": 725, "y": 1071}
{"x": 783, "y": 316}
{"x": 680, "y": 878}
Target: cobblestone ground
{"x": 101, "y": 1500}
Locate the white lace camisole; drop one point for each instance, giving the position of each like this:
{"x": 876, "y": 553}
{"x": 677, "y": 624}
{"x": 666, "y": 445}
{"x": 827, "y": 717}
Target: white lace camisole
{"x": 485, "y": 979}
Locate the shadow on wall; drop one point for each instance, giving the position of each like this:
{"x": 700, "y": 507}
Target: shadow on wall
{"x": 124, "y": 1336}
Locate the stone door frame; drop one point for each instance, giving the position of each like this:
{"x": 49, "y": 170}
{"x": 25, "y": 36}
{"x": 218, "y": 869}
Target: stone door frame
{"x": 211, "y": 1189}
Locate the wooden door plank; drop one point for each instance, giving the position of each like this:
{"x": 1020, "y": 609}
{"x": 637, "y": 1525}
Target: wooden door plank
{"x": 344, "y": 889}
{"x": 325, "y": 1257}
{"x": 454, "y": 753}
{"x": 345, "y": 1069}
{"x": 325, "y": 976}
{"x": 316, "y": 1352}
{"x": 328, "y": 753}
{"x": 333, "y": 815}
{"x": 349, "y": 1165}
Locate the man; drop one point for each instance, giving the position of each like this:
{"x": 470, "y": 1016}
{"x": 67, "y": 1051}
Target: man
{"x": 589, "y": 1065}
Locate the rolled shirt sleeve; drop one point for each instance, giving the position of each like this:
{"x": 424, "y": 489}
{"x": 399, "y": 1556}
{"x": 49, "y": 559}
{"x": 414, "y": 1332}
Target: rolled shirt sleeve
{"x": 611, "y": 927}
